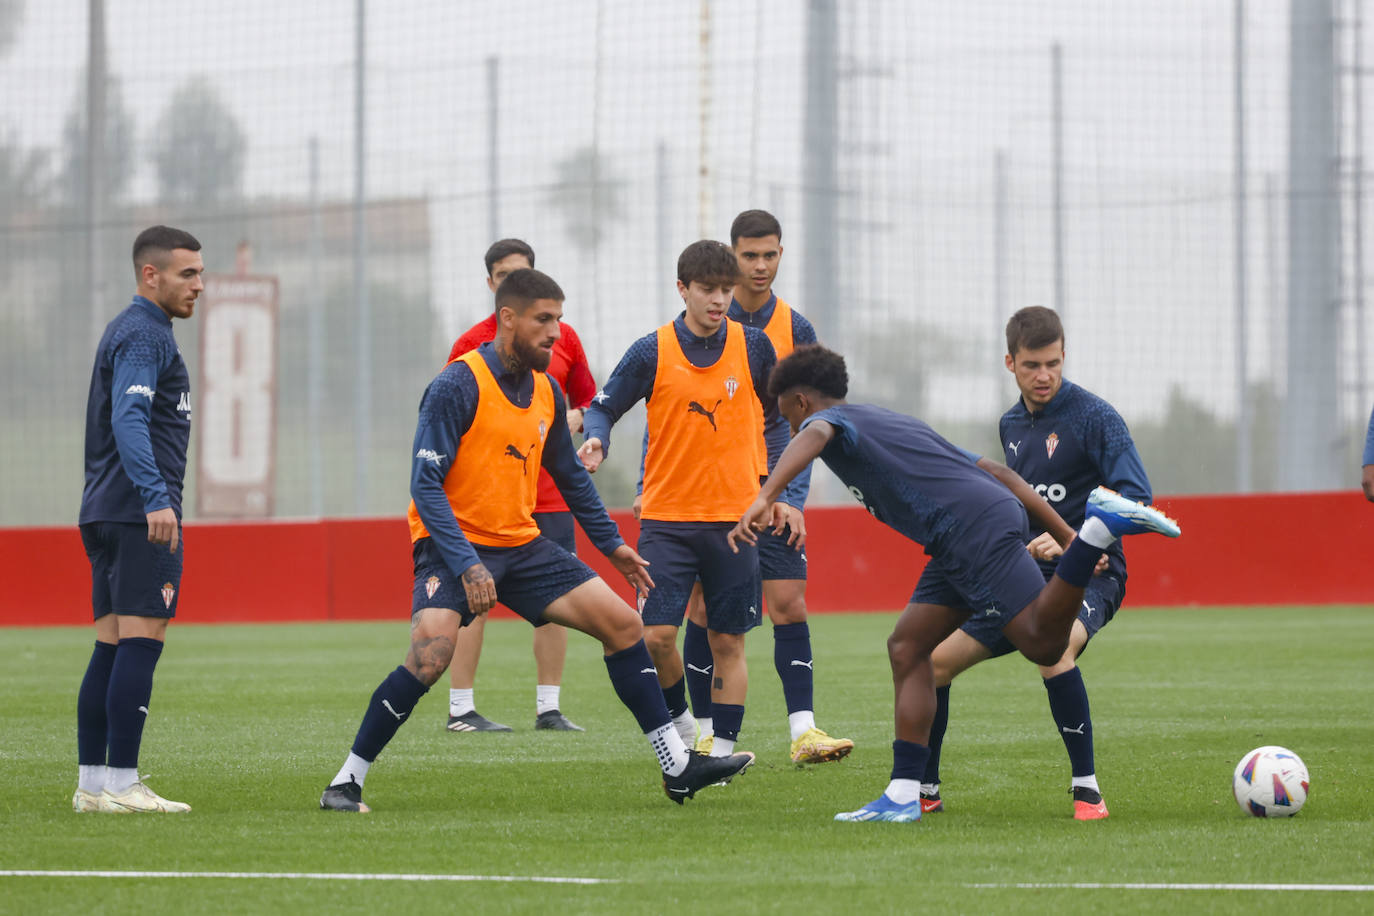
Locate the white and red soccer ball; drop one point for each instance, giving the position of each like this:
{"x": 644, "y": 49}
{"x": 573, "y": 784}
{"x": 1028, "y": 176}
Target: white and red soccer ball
{"x": 1270, "y": 781}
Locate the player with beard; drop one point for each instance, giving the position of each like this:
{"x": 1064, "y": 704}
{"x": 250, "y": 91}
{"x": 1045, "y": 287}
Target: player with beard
{"x": 487, "y": 423}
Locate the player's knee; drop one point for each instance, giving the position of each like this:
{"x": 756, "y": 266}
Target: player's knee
{"x": 1045, "y": 650}
{"x": 945, "y": 670}
{"x": 620, "y": 632}
{"x": 726, "y": 646}
{"x": 428, "y": 659}
{"x": 790, "y": 610}
{"x": 661, "y": 641}
{"x": 903, "y": 652}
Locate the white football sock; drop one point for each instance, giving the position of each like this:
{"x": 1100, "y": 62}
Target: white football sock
{"x": 460, "y": 701}
{"x": 91, "y": 778}
{"x": 930, "y": 788}
{"x": 1085, "y": 782}
{"x": 903, "y": 791}
{"x": 545, "y": 698}
{"x": 1096, "y": 533}
{"x": 120, "y": 779}
{"x": 354, "y": 768}
{"x": 801, "y": 722}
{"x": 722, "y": 747}
{"x": 707, "y": 727}
{"x": 686, "y": 728}
{"x": 668, "y": 748}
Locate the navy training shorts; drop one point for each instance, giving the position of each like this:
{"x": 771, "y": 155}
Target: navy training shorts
{"x": 1101, "y": 600}
{"x": 130, "y": 574}
{"x": 986, "y": 569}
{"x": 680, "y": 553}
{"x": 779, "y": 560}
{"x": 528, "y": 578}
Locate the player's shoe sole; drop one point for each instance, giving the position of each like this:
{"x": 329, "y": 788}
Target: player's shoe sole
{"x": 1124, "y": 516}
{"x": 703, "y": 771}
{"x": 930, "y": 804}
{"x": 139, "y": 799}
{"x": 474, "y": 721}
{"x": 555, "y": 721}
{"x": 344, "y": 796}
{"x": 884, "y": 809}
{"x": 1088, "y": 805}
{"x": 815, "y": 746}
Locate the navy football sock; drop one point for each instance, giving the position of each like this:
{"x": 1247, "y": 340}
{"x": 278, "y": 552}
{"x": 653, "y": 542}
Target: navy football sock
{"x": 698, "y": 662}
{"x": 636, "y": 683}
{"x": 728, "y": 719}
{"x": 792, "y": 658}
{"x": 908, "y": 759}
{"x": 126, "y": 698}
{"x": 391, "y": 704}
{"x": 1069, "y": 706}
{"x": 91, "y": 719}
{"x": 674, "y": 696}
{"x": 1077, "y": 563}
{"x": 937, "y": 734}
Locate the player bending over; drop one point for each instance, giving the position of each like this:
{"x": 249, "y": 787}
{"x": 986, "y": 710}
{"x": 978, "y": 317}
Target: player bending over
{"x": 973, "y": 528}
{"x": 488, "y": 422}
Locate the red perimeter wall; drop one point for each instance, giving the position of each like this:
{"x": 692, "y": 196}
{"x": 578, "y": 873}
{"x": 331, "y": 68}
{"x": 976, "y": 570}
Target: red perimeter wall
{"x": 1290, "y": 548}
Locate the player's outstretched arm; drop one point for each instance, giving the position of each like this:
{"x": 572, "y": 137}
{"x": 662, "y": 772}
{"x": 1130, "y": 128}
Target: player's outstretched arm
{"x": 1035, "y": 504}
{"x": 804, "y": 448}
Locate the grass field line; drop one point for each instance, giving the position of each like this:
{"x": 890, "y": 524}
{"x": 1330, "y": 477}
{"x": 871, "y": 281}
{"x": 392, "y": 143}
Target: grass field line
{"x": 1127, "y": 886}
{"x": 303, "y": 876}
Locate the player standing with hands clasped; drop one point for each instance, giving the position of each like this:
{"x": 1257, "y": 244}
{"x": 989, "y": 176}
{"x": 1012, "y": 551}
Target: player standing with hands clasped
{"x": 703, "y": 380}
{"x": 756, "y": 237}
{"x": 973, "y": 527}
{"x": 138, "y": 425}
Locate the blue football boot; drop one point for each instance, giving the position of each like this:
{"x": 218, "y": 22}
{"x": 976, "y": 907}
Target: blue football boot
{"x": 1124, "y": 516}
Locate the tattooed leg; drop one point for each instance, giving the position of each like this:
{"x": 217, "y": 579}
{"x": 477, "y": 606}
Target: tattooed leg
{"x": 433, "y": 632}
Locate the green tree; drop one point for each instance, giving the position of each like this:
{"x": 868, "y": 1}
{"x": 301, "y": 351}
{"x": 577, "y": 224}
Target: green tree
{"x": 117, "y": 152}
{"x": 588, "y": 196}
{"x": 198, "y": 147}
{"x": 24, "y": 179}
{"x": 11, "y": 15}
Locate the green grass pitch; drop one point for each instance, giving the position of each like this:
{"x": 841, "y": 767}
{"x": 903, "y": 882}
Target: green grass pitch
{"x": 249, "y": 723}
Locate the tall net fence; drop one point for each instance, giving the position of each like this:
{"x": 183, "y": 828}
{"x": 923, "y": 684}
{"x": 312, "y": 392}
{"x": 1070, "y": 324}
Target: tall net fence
{"x": 934, "y": 166}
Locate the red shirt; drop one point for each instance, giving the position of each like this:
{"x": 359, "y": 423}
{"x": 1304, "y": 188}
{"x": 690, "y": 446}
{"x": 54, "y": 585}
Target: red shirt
{"x": 568, "y": 367}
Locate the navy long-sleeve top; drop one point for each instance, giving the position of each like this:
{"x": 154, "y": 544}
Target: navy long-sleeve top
{"x": 138, "y": 419}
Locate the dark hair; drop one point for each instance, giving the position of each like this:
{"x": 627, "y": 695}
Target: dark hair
{"x": 504, "y": 249}
{"x": 1033, "y": 327}
{"x": 161, "y": 239}
{"x": 523, "y": 287}
{"x": 810, "y": 366}
{"x": 708, "y": 261}
{"x": 754, "y": 224}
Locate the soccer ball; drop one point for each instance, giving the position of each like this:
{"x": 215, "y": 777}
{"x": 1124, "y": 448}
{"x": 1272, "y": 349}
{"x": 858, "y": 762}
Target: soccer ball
{"x": 1270, "y": 781}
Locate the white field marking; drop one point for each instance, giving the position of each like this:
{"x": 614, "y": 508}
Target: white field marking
{"x": 1358, "y": 888}
{"x": 302, "y": 876}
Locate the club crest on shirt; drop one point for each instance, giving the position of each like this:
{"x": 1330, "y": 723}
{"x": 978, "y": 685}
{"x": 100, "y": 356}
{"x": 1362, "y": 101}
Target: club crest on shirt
{"x": 431, "y": 586}
{"x": 543, "y": 429}
{"x": 731, "y": 386}
{"x": 1051, "y": 443}
{"x": 168, "y": 593}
